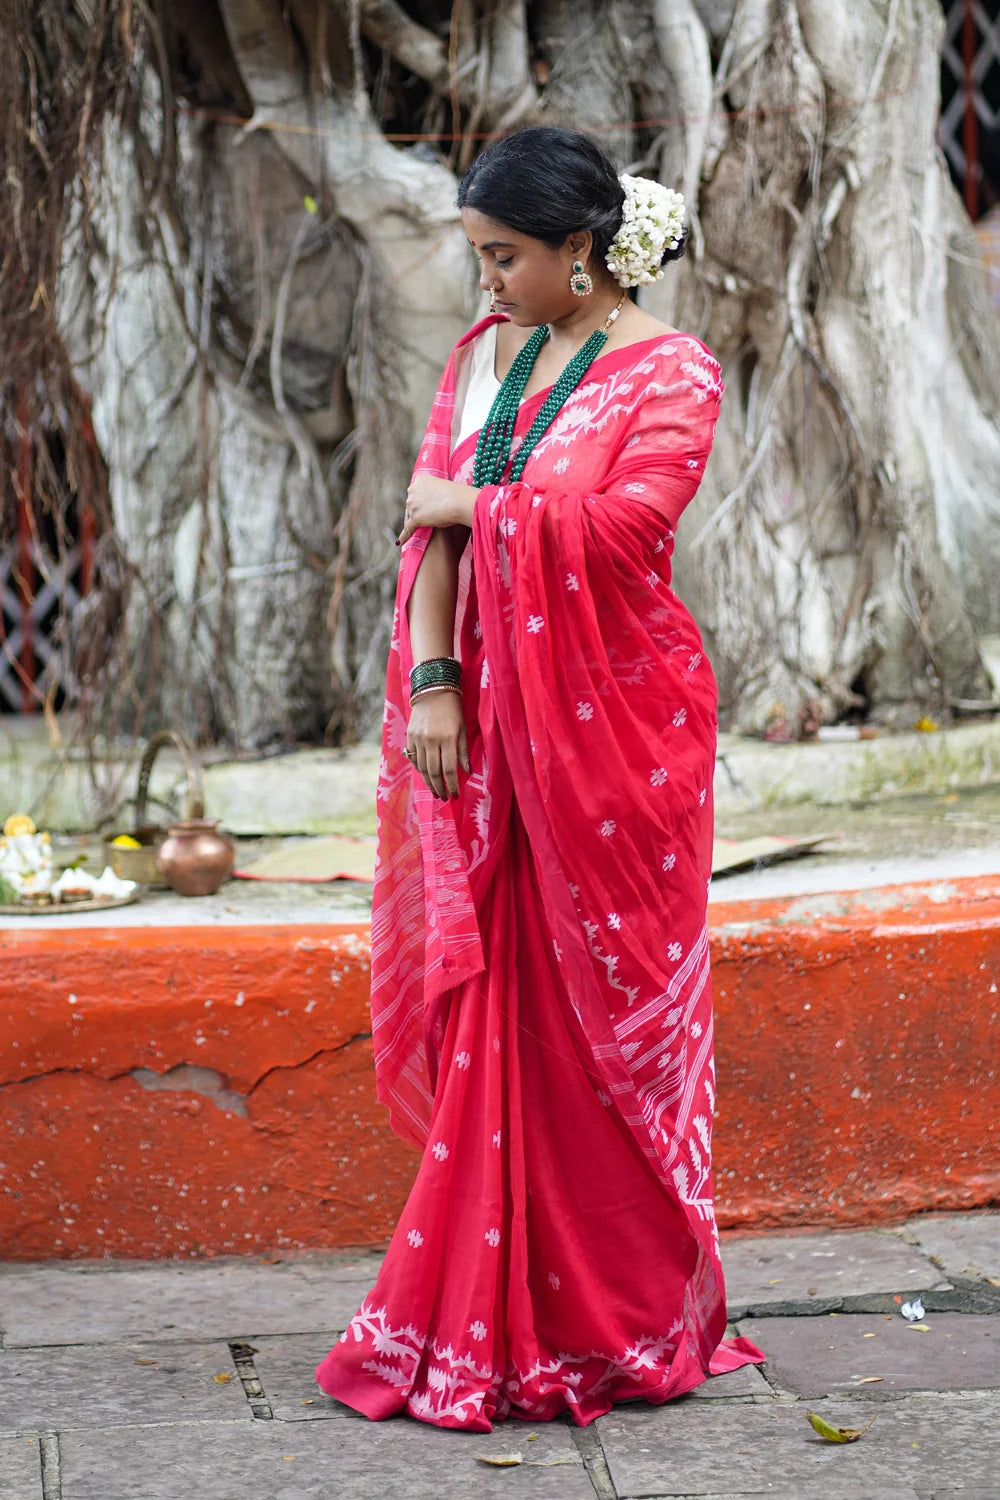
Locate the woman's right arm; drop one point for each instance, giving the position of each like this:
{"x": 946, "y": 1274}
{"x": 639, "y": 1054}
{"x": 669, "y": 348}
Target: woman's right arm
{"x": 436, "y": 731}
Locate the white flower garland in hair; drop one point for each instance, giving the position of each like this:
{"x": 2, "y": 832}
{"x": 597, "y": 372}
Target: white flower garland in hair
{"x": 652, "y": 222}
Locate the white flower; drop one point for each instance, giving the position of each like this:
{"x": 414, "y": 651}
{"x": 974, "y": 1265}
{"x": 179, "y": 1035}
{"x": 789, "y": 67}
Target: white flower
{"x": 652, "y": 222}
{"x": 415, "y": 1238}
{"x": 696, "y": 1029}
{"x": 440, "y": 1151}
{"x": 492, "y": 1237}
{"x": 477, "y": 1329}
{"x": 463, "y": 1060}
{"x": 535, "y": 624}
{"x": 584, "y": 711}
{"x": 658, "y": 777}
{"x": 674, "y": 951}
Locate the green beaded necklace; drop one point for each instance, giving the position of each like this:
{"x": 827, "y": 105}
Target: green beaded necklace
{"x": 493, "y": 444}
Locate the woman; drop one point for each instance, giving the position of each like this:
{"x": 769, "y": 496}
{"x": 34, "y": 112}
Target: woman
{"x": 540, "y": 992}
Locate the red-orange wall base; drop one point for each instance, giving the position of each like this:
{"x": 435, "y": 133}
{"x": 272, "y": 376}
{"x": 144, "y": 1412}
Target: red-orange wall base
{"x": 858, "y": 1048}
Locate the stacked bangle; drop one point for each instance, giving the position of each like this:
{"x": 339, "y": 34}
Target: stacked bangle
{"x": 442, "y": 687}
{"x": 436, "y": 672}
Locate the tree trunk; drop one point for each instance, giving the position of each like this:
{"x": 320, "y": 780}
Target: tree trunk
{"x": 275, "y": 285}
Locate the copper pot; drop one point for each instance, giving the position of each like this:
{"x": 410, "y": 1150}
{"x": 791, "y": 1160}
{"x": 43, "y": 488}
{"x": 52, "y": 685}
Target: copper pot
{"x": 195, "y": 858}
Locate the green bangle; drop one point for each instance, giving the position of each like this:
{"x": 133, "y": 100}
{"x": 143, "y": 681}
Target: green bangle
{"x": 437, "y": 671}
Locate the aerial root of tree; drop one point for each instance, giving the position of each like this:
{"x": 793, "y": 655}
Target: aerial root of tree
{"x": 259, "y": 288}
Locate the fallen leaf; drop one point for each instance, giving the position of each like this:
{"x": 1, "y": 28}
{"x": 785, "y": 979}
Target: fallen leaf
{"x": 919, "y": 1327}
{"x": 993, "y": 1280}
{"x": 511, "y": 1460}
{"x": 222, "y": 1379}
{"x": 869, "y": 1379}
{"x": 867, "y": 1335}
{"x": 310, "y": 205}
{"x": 145, "y": 1361}
{"x": 897, "y": 1299}
{"x": 289, "y": 1457}
{"x": 310, "y": 1402}
{"x": 837, "y": 1434}
{"x": 532, "y": 1437}
{"x": 777, "y": 1281}
{"x": 926, "y": 726}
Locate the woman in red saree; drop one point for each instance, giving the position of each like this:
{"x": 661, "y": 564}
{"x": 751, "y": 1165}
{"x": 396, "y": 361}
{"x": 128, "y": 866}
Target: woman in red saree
{"x": 541, "y": 1003}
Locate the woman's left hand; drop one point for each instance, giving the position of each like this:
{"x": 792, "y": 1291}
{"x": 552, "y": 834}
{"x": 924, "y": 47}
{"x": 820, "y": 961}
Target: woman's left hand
{"x": 436, "y": 502}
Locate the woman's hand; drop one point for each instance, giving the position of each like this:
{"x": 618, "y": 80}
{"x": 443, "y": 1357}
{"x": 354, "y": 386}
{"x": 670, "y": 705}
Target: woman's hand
{"x": 436, "y": 742}
{"x": 436, "y": 502}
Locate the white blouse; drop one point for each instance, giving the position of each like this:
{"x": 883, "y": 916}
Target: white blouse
{"x": 482, "y": 388}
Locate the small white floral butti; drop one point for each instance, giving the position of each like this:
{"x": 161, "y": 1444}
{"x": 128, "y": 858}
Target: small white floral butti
{"x": 652, "y": 222}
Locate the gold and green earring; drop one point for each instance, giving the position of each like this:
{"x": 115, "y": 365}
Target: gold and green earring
{"x": 580, "y": 284}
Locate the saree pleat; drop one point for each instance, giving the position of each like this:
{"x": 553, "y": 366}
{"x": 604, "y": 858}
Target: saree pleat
{"x": 540, "y": 992}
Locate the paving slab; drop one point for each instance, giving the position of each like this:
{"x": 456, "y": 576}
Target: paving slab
{"x": 285, "y": 1368}
{"x": 776, "y": 1271}
{"x": 833, "y": 1355}
{"x": 765, "y": 1489}
{"x": 746, "y": 1382}
{"x": 72, "y": 1303}
{"x": 20, "y": 1469}
{"x": 109, "y": 1385}
{"x": 965, "y": 1244}
{"x": 394, "y": 1460}
{"x": 705, "y": 1449}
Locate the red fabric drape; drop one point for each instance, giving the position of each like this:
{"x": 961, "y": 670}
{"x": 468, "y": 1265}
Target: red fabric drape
{"x": 540, "y": 991}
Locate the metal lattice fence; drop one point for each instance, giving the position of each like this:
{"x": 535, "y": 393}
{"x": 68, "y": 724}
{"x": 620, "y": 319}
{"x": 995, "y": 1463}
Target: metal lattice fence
{"x": 970, "y": 98}
{"x": 40, "y": 586}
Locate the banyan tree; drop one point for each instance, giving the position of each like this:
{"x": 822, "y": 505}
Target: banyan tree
{"x": 232, "y": 268}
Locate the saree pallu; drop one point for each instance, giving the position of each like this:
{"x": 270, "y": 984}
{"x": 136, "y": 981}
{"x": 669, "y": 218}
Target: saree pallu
{"x": 541, "y": 1005}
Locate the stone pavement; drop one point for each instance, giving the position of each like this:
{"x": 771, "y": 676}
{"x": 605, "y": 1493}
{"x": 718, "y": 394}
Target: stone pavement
{"x": 193, "y": 1381}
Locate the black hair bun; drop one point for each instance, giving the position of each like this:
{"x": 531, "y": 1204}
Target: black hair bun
{"x": 677, "y": 251}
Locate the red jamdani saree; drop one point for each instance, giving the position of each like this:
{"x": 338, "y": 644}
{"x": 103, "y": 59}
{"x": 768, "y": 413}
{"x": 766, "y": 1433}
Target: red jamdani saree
{"x": 540, "y": 991}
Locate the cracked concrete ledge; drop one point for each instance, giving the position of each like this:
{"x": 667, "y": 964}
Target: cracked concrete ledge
{"x": 209, "y": 1090}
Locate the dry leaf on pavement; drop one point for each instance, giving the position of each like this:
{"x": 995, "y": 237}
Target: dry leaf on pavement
{"x": 837, "y": 1434}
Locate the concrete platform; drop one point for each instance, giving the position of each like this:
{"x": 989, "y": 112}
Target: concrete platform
{"x": 313, "y": 789}
{"x": 103, "y": 1398}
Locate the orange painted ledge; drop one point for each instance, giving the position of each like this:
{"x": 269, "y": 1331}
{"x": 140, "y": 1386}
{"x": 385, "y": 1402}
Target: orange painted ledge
{"x": 192, "y": 1091}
